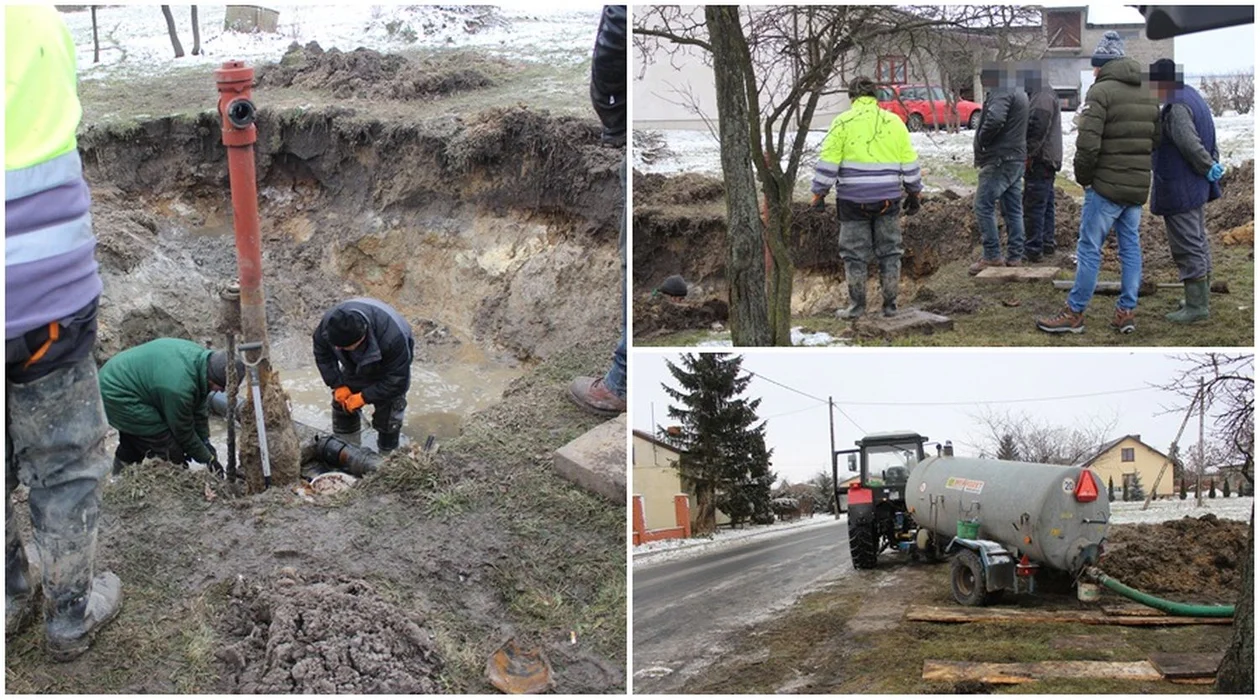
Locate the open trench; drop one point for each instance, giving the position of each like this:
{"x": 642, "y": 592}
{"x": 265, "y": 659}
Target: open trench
{"x": 496, "y": 239}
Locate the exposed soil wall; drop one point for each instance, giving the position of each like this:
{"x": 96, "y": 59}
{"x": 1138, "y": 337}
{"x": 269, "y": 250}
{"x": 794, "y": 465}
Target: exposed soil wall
{"x": 1191, "y": 559}
{"x": 501, "y": 228}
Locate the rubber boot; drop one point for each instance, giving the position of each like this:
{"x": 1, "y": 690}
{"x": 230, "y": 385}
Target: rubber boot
{"x": 386, "y": 442}
{"x": 58, "y": 434}
{"x": 346, "y": 426}
{"x": 855, "y": 275}
{"x": 20, "y": 601}
{"x": 890, "y": 283}
{"x": 1196, "y": 306}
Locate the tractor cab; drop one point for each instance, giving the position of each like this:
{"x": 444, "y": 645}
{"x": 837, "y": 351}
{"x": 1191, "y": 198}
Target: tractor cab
{"x": 877, "y": 502}
{"x": 884, "y": 460}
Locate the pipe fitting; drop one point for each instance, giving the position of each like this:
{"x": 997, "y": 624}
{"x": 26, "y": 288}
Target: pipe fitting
{"x": 241, "y": 112}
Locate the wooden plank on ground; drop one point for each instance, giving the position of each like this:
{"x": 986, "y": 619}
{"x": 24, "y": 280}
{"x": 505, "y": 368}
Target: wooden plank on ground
{"x": 907, "y": 322}
{"x": 1174, "y": 665}
{"x": 961, "y": 615}
{"x": 1017, "y": 274}
{"x": 1008, "y": 674}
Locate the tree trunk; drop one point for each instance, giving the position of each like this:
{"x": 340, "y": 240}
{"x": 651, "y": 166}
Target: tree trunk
{"x": 196, "y": 33}
{"x": 1236, "y": 674}
{"x": 96, "y": 39}
{"x": 170, "y": 28}
{"x": 745, "y": 260}
{"x": 781, "y": 284}
{"x": 704, "y": 521}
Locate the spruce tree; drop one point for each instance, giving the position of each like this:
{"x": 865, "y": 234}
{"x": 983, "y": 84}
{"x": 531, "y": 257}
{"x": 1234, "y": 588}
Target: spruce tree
{"x": 1007, "y": 448}
{"x": 1111, "y": 490}
{"x": 1212, "y": 488}
{"x": 1225, "y": 488}
{"x": 1137, "y": 492}
{"x": 725, "y": 460}
{"x": 1183, "y": 486}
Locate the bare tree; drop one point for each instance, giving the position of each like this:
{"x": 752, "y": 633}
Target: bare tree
{"x": 794, "y": 56}
{"x": 96, "y": 39}
{"x": 1035, "y": 440}
{"x": 170, "y": 28}
{"x": 196, "y": 51}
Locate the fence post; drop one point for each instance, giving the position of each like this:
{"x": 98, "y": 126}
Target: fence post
{"x": 640, "y": 522}
{"x": 682, "y": 514}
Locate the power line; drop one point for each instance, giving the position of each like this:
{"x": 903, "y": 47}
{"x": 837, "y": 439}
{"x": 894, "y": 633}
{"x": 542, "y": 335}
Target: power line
{"x": 799, "y": 410}
{"x": 785, "y": 386}
{"x": 1001, "y": 401}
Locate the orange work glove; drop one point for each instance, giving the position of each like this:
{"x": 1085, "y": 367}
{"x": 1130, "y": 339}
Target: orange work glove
{"x": 353, "y": 403}
{"x": 341, "y": 393}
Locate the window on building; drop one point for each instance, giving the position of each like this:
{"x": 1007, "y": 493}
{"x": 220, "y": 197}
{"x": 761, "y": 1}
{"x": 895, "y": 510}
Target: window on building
{"x": 1126, "y": 454}
{"x": 891, "y": 69}
{"x": 1063, "y": 29}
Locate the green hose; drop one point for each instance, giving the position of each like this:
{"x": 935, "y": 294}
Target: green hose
{"x": 1168, "y": 606}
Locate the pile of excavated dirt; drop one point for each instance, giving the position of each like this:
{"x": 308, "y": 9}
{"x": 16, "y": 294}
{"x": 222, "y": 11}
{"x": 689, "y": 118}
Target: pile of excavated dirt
{"x": 365, "y": 73}
{"x": 1191, "y": 559}
{"x": 655, "y": 317}
{"x": 651, "y": 189}
{"x": 325, "y": 635}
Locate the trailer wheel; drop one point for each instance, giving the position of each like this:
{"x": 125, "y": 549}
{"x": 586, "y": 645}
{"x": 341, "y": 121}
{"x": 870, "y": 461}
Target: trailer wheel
{"x": 863, "y": 545}
{"x": 966, "y": 578}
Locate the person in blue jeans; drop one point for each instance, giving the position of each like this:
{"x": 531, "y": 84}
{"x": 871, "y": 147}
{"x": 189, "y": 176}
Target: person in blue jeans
{"x": 606, "y": 395}
{"x": 1045, "y": 159}
{"x": 1001, "y": 147}
{"x": 1117, "y": 132}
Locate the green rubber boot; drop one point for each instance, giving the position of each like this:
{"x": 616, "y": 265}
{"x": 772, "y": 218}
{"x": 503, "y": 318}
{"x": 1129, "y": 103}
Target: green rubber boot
{"x": 1196, "y": 306}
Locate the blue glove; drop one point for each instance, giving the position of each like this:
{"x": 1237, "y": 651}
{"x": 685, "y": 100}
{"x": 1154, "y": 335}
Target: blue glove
{"x": 1216, "y": 172}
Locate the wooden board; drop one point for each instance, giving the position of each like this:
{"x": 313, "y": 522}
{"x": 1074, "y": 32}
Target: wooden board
{"x": 1009, "y": 674}
{"x": 1017, "y": 274}
{"x": 1173, "y": 665}
{"x": 906, "y": 322}
{"x": 958, "y": 615}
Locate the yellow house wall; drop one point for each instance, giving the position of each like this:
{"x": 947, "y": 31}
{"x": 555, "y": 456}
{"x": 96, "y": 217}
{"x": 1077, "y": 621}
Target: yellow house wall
{"x": 1146, "y": 462}
{"x": 656, "y": 479}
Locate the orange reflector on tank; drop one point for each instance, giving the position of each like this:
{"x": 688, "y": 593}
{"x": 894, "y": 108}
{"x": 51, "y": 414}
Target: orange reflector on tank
{"x": 1086, "y": 491}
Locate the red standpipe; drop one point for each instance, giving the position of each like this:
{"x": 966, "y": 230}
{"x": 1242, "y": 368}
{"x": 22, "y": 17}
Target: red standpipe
{"x": 237, "y": 111}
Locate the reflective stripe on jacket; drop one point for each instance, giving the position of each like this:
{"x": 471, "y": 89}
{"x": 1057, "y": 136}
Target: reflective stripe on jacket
{"x": 50, "y": 252}
{"x": 867, "y": 155}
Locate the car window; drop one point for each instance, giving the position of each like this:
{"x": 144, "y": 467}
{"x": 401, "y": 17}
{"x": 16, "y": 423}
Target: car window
{"x": 939, "y": 94}
{"x": 884, "y": 95}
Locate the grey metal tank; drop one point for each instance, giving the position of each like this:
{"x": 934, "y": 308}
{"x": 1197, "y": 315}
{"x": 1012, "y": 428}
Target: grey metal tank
{"x": 1027, "y": 507}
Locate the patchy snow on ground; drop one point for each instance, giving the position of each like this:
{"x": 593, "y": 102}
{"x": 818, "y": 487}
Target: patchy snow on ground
{"x": 939, "y": 151}
{"x": 1232, "y": 508}
{"x": 661, "y": 551}
{"x": 134, "y": 40}
{"x": 800, "y": 338}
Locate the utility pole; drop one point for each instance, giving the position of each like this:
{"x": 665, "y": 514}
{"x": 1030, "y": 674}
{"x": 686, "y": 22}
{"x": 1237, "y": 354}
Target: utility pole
{"x": 1198, "y": 481}
{"x": 835, "y": 474}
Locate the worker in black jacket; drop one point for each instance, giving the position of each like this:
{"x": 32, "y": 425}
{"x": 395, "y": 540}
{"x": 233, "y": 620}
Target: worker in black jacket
{"x": 363, "y": 349}
{"x": 1042, "y": 164}
{"x": 606, "y": 396}
{"x": 1001, "y": 147}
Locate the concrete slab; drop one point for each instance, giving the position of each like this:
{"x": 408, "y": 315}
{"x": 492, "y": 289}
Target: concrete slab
{"x": 1017, "y": 274}
{"x": 906, "y": 322}
{"x": 596, "y": 460}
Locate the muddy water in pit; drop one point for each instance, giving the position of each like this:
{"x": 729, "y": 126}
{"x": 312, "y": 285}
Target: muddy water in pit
{"x": 442, "y": 396}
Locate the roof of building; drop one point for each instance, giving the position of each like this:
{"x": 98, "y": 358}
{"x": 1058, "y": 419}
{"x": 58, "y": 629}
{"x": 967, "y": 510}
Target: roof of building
{"x": 1112, "y": 445}
{"x": 658, "y": 442}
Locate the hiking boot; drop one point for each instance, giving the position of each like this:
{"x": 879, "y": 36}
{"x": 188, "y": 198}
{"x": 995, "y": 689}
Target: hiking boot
{"x": 1018, "y": 262}
{"x": 590, "y": 395}
{"x": 1194, "y": 307}
{"x": 1068, "y": 321}
{"x": 1032, "y": 258}
{"x": 982, "y": 264}
{"x": 1125, "y": 320}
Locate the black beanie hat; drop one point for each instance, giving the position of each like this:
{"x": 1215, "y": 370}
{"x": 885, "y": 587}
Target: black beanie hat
{"x": 345, "y": 328}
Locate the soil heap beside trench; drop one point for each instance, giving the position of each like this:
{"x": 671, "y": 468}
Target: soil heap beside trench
{"x": 1190, "y": 560}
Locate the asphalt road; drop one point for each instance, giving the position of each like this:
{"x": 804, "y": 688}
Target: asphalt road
{"x": 688, "y": 611}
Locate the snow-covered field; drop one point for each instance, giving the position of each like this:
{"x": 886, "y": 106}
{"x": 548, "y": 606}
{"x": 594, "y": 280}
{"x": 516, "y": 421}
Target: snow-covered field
{"x": 1174, "y": 509}
{"x": 653, "y": 553}
{"x": 800, "y": 338}
{"x": 939, "y": 152}
{"x": 134, "y": 39}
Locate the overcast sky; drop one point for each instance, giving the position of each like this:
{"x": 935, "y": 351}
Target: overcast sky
{"x": 797, "y": 426}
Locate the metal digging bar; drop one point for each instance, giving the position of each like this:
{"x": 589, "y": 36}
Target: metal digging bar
{"x": 256, "y": 386}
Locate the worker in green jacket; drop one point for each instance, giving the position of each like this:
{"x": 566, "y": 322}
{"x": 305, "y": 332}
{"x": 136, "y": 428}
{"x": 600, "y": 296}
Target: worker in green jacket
{"x": 156, "y": 397}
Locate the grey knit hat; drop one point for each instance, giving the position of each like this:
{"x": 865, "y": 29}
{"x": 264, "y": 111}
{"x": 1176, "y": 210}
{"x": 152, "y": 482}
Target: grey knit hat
{"x": 1111, "y": 46}
{"x": 216, "y": 368}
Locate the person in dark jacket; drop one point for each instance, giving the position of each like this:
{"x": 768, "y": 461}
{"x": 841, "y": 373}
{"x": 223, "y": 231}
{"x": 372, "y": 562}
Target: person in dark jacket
{"x": 156, "y": 395}
{"x": 1045, "y": 159}
{"x": 1001, "y": 147}
{"x": 606, "y": 395}
{"x": 363, "y": 349}
{"x": 1118, "y": 129}
{"x": 1186, "y": 176}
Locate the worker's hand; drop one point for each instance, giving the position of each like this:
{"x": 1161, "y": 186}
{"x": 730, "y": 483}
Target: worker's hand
{"x": 819, "y": 203}
{"x": 216, "y": 468}
{"x": 1215, "y": 173}
{"x": 341, "y": 393}
{"x": 353, "y": 403}
{"x": 214, "y": 454}
{"x": 913, "y": 204}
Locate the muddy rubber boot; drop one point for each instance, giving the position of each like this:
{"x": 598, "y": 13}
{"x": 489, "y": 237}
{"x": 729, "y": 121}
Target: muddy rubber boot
{"x": 890, "y": 284}
{"x": 20, "y": 601}
{"x": 386, "y": 442}
{"x": 855, "y": 276}
{"x": 1195, "y": 308}
{"x": 346, "y": 426}
{"x": 76, "y": 604}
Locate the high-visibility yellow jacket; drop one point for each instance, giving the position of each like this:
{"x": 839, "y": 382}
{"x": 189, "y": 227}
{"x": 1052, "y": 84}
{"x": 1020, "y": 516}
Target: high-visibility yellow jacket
{"x": 50, "y": 252}
{"x": 867, "y": 155}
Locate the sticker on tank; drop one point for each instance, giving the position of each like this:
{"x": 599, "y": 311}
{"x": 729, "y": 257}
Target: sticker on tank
{"x": 965, "y": 485}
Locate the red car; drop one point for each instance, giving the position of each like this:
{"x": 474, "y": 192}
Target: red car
{"x": 925, "y": 105}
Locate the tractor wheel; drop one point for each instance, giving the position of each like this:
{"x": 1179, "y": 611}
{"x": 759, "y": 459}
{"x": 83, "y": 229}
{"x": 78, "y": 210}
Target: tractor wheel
{"x": 966, "y": 579}
{"x": 974, "y": 122}
{"x": 914, "y": 122}
{"x": 863, "y": 546}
